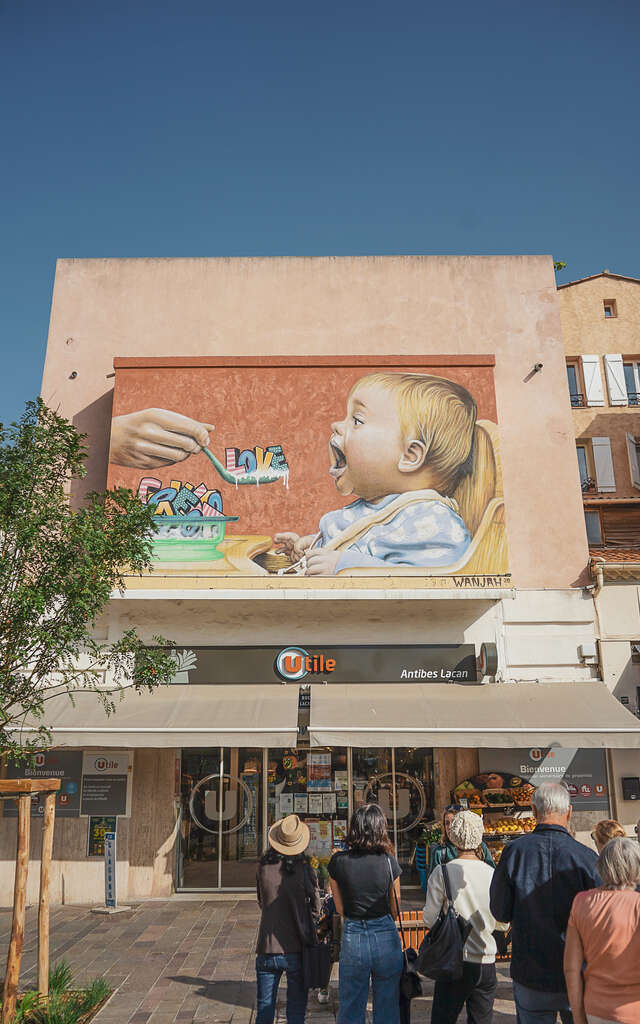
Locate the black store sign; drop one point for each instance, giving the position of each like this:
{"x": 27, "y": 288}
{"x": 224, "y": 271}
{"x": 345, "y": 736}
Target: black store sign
{"x": 420, "y": 663}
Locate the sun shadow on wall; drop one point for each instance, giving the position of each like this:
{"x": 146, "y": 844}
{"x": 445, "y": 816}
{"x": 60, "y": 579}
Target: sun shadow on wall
{"x": 95, "y": 421}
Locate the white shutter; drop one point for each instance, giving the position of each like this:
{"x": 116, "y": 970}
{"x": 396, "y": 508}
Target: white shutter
{"x": 592, "y": 380}
{"x": 616, "y": 385}
{"x": 603, "y": 464}
{"x": 634, "y": 468}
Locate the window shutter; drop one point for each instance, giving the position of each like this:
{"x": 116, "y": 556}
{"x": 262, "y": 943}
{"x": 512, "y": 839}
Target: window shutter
{"x": 603, "y": 464}
{"x": 616, "y": 385}
{"x": 592, "y": 380}
{"x": 621, "y": 526}
{"x": 634, "y": 468}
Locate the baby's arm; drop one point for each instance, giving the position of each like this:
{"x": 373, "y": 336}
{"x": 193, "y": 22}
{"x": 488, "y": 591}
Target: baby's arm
{"x": 293, "y": 545}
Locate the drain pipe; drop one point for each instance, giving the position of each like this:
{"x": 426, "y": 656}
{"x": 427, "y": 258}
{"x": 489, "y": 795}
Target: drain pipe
{"x": 598, "y": 565}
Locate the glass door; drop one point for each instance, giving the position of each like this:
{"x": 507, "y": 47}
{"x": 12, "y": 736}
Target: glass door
{"x": 221, "y": 818}
{"x": 200, "y": 825}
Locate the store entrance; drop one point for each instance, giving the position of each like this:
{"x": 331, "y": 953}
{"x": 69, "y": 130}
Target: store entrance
{"x": 231, "y": 796}
{"x": 221, "y": 818}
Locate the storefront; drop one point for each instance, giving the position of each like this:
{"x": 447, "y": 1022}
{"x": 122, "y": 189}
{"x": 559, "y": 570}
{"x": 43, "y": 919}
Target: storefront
{"x": 221, "y": 839}
{"x": 211, "y": 764}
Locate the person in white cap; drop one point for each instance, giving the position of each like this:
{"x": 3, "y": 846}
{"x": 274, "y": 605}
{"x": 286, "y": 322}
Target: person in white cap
{"x": 287, "y": 887}
{"x": 470, "y": 879}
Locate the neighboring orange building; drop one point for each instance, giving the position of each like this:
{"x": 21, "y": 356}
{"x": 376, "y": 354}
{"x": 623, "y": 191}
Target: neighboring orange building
{"x": 601, "y": 330}
{"x": 600, "y": 318}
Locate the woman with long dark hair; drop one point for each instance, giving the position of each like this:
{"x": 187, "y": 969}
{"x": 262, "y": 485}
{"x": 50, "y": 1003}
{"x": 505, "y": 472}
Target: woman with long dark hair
{"x": 287, "y": 890}
{"x": 364, "y": 880}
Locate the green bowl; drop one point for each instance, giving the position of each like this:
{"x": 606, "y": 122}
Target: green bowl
{"x": 189, "y": 538}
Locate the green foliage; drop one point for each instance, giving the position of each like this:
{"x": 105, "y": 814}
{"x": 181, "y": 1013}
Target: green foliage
{"x": 94, "y": 994}
{"x": 60, "y": 978}
{"x": 64, "y": 1005}
{"x": 58, "y": 567}
{"x": 559, "y": 265}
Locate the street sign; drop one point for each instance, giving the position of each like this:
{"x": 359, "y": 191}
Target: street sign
{"x": 110, "y": 899}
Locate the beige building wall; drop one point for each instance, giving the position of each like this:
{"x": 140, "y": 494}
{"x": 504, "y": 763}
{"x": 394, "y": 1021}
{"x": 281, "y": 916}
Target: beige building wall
{"x": 145, "y": 844}
{"x": 501, "y": 305}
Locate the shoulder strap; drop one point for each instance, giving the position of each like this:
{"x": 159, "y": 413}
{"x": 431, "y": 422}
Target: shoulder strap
{"x": 398, "y": 911}
{"x": 447, "y": 882}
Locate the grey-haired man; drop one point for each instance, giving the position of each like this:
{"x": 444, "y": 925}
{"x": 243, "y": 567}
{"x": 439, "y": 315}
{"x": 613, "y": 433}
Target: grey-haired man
{"x": 533, "y": 887}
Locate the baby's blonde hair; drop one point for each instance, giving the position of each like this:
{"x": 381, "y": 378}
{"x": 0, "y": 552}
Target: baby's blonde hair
{"x": 438, "y": 412}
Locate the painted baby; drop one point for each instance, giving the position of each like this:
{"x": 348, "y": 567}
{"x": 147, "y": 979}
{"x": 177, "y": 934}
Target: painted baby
{"x": 404, "y": 445}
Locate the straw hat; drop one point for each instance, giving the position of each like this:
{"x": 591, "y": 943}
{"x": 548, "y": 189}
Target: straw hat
{"x": 289, "y": 836}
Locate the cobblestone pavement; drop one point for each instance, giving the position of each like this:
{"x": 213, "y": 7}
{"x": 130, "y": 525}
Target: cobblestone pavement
{"x": 179, "y": 962}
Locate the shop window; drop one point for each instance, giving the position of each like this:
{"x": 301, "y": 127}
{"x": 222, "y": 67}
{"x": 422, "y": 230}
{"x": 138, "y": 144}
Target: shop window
{"x": 610, "y": 308}
{"x": 594, "y": 529}
{"x": 576, "y": 393}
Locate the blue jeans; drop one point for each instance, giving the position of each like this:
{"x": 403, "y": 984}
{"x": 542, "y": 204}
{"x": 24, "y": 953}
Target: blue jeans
{"x": 269, "y": 970}
{"x": 370, "y": 949}
{"x": 533, "y": 1007}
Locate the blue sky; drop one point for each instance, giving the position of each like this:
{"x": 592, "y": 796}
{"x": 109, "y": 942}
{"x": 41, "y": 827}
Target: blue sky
{"x": 201, "y": 128}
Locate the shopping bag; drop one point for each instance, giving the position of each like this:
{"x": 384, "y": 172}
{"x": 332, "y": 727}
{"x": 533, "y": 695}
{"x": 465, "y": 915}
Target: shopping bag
{"x": 316, "y": 965}
{"x": 410, "y": 984}
{"x": 441, "y": 951}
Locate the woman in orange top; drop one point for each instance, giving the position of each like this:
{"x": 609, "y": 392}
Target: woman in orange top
{"x": 604, "y": 933}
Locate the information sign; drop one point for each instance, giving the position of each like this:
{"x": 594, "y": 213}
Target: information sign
{"x": 105, "y": 778}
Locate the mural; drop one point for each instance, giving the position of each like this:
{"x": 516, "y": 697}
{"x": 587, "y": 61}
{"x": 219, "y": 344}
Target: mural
{"x": 350, "y": 471}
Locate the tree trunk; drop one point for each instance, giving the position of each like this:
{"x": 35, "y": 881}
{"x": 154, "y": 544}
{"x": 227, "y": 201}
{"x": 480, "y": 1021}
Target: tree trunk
{"x": 19, "y": 904}
{"x": 43, "y": 913}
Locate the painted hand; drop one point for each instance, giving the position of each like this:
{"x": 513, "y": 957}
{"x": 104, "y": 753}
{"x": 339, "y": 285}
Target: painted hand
{"x": 155, "y": 437}
{"x": 322, "y": 563}
{"x": 293, "y": 545}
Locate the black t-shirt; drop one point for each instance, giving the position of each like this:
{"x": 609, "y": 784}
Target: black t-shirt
{"x": 364, "y": 881}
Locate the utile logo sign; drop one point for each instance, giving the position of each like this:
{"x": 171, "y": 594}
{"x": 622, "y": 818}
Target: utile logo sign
{"x": 294, "y": 663}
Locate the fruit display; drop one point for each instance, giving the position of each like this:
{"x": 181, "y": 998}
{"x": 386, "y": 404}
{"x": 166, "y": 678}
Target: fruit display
{"x": 522, "y": 795}
{"x": 509, "y": 826}
{"x": 498, "y": 797}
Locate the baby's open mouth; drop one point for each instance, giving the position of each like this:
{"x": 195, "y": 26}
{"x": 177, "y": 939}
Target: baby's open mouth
{"x": 339, "y": 462}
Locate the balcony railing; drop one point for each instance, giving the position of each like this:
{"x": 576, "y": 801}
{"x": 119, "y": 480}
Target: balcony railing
{"x": 577, "y": 400}
{"x": 587, "y": 484}
{"x": 633, "y": 397}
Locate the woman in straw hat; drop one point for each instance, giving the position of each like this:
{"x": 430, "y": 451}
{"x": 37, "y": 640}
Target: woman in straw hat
{"x": 287, "y": 888}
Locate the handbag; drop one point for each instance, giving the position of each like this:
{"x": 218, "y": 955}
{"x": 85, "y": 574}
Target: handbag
{"x": 441, "y": 951}
{"x": 316, "y": 954}
{"x": 410, "y": 984}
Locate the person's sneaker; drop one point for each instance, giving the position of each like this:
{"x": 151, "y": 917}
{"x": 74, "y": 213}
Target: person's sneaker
{"x": 323, "y": 995}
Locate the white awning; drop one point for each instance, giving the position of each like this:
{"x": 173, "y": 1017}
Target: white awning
{"x": 179, "y": 716}
{"x": 451, "y": 715}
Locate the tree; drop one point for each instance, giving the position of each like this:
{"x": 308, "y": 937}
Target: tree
{"x": 58, "y": 567}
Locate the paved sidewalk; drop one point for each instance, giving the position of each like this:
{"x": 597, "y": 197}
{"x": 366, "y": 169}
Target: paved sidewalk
{"x": 179, "y": 962}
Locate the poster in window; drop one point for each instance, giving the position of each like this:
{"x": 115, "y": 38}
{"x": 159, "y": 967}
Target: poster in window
{"x": 318, "y": 771}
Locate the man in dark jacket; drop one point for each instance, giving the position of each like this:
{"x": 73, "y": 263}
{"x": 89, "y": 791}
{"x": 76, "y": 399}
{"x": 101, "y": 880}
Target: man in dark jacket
{"x": 533, "y": 887}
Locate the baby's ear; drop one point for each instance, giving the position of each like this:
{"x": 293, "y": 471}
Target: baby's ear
{"x": 413, "y": 457}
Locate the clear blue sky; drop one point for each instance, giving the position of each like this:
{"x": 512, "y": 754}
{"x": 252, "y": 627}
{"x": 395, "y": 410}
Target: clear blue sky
{"x": 208, "y": 128}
